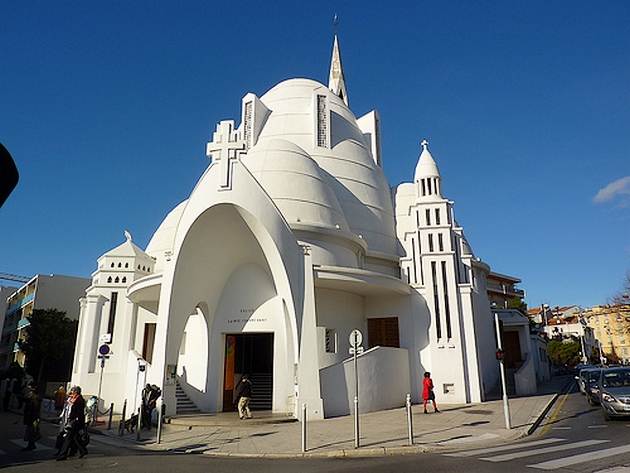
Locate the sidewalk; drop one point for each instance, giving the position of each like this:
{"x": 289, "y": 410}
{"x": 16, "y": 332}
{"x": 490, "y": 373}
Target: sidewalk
{"x": 455, "y": 427}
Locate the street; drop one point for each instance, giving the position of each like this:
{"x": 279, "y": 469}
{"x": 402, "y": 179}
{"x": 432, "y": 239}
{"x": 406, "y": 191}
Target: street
{"x": 575, "y": 438}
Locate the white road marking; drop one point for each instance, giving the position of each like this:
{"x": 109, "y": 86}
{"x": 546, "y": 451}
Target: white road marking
{"x": 540, "y": 451}
{"x": 584, "y": 457}
{"x": 503, "y": 448}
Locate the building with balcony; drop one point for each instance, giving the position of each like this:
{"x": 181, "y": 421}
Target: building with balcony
{"x": 502, "y": 289}
{"x": 41, "y": 292}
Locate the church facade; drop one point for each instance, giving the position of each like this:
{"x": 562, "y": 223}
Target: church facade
{"x": 291, "y": 240}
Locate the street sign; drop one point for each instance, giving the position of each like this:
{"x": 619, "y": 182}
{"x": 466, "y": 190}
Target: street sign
{"x": 356, "y": 338}
{"x": 103, "y": 350}
{"x": 105, "y": 338}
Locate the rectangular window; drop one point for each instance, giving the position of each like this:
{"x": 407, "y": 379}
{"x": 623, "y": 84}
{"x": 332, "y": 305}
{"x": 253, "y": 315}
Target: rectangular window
{"x": 331, "y": 341}
{"x": 429, "y": 186}
{"x": 322, "y": 122}
{"x": 437, "y": 216}
{"x": 440, "y": 242}
{"x": 384, "y": 332}
{"x": 113, "y": 302}
{"x": 428, "y": 216}
{"x": 148, "y": 342}
{"x": 424, "y": 187}
{"x": 430, "y": 242}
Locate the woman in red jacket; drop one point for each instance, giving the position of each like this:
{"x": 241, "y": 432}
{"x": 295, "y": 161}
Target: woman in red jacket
{"x": 427, "y": 392}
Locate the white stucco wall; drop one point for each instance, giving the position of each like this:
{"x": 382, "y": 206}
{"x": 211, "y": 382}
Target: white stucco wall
{"x": 383, "y": 382}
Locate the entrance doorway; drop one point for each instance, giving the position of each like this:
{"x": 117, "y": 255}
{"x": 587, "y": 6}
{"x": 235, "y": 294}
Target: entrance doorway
{"x": 249, "y": 353}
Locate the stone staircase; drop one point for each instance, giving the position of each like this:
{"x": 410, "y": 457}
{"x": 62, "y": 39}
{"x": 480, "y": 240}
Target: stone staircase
{"x": 262, "y": 391}
{"x": 184, "y": 404}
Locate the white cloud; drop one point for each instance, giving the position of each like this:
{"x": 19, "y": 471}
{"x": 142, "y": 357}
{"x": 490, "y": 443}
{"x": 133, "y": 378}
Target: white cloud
{"x": 612, "y": 190}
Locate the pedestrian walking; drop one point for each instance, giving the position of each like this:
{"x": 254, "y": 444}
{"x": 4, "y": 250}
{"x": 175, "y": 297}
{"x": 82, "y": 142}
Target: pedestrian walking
{"x": 243, "y": 396}
{"x": 31, "y": 419}
{"x": 427, "y": 392}
{"x": 75, "y": 423}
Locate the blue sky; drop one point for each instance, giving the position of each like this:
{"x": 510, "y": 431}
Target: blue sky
{"x": 106, "y": 107}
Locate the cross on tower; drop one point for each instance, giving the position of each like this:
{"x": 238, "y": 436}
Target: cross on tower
{"x": 225, "y": 147}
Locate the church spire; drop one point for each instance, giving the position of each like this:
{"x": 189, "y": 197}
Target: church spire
{"x": 336, "y": 80}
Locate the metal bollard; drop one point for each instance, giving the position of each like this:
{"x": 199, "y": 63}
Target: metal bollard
{"x": 111, "y": 414}
{"x": 409, "y": 419}
{"x": 303, "y": 428}
{"x": 121, "y": 427}
{"x": 138, "y": 429}
{"x": 161, "y": 406}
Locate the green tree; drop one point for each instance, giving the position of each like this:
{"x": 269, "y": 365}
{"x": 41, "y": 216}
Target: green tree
{"x": 564, "y": 353}
{"x": 49, "y": 345}
{"x": 518, "y": 304}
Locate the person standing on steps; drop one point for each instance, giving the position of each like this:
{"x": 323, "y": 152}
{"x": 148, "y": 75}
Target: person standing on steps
{"x": 427, "y": 392}
{"x": 243, "y": 396}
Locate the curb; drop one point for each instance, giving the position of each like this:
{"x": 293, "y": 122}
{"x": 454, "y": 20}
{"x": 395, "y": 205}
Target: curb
{"x": 546, "y": 409}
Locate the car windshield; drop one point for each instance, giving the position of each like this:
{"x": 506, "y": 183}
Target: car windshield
{"x": 593, "y": 375}
{"x": 616, "y": 379}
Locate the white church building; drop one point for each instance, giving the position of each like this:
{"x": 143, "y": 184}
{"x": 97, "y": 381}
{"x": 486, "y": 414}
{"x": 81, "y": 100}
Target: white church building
{"x": 291, "y": 239}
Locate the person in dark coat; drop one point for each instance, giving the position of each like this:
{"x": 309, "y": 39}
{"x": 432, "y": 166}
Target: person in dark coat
{"x": 243, "y": 396}
{"x": 75, "y": 423}
{"x": 31, "y": 419}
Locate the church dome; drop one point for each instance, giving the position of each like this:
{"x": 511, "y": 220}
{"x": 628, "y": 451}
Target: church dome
{"x": 295, "y": 183}
{"x": 345, "y": 185}
{"x": 163, "y": 239}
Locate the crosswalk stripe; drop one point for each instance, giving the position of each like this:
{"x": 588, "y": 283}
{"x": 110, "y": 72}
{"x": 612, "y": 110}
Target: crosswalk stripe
{"x": 581, "y": 458}
{"x": 540, "y": 451}
{"x": 502, "y": 448}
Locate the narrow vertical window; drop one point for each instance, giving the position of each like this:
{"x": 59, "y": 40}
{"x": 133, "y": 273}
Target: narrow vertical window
{"x": 440, "y": 242}
{"x": 113, "y": 302}
{"x": 430, "y": 242}
{"x": 424, "y": 187}
{"x": 437, "y": 216}
{"x": 322, "y": 122}
{"x": 331, "y": 341}
{"x": 447, "y": 310}
{"x": 413, "y": 260}
{"x": 248, "y": 125}
{"x": 428, "y": 217}
{"x": 436, "y": 301}
{"x": 429, "y": 186}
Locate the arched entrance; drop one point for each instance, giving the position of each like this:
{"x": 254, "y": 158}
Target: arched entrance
{"x": 249, "y": 353}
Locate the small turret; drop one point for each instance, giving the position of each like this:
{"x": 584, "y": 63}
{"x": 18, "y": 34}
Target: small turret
{"x": 427, "y": 176}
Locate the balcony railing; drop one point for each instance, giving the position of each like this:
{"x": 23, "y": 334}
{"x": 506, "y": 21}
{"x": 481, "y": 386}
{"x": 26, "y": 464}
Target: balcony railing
{"x": 20, "y": 303}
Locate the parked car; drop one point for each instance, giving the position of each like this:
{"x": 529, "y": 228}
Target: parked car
{"x": 614, "y": 392}
{"x": 581, "y": 377}
{"x": 591, "y": 387}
